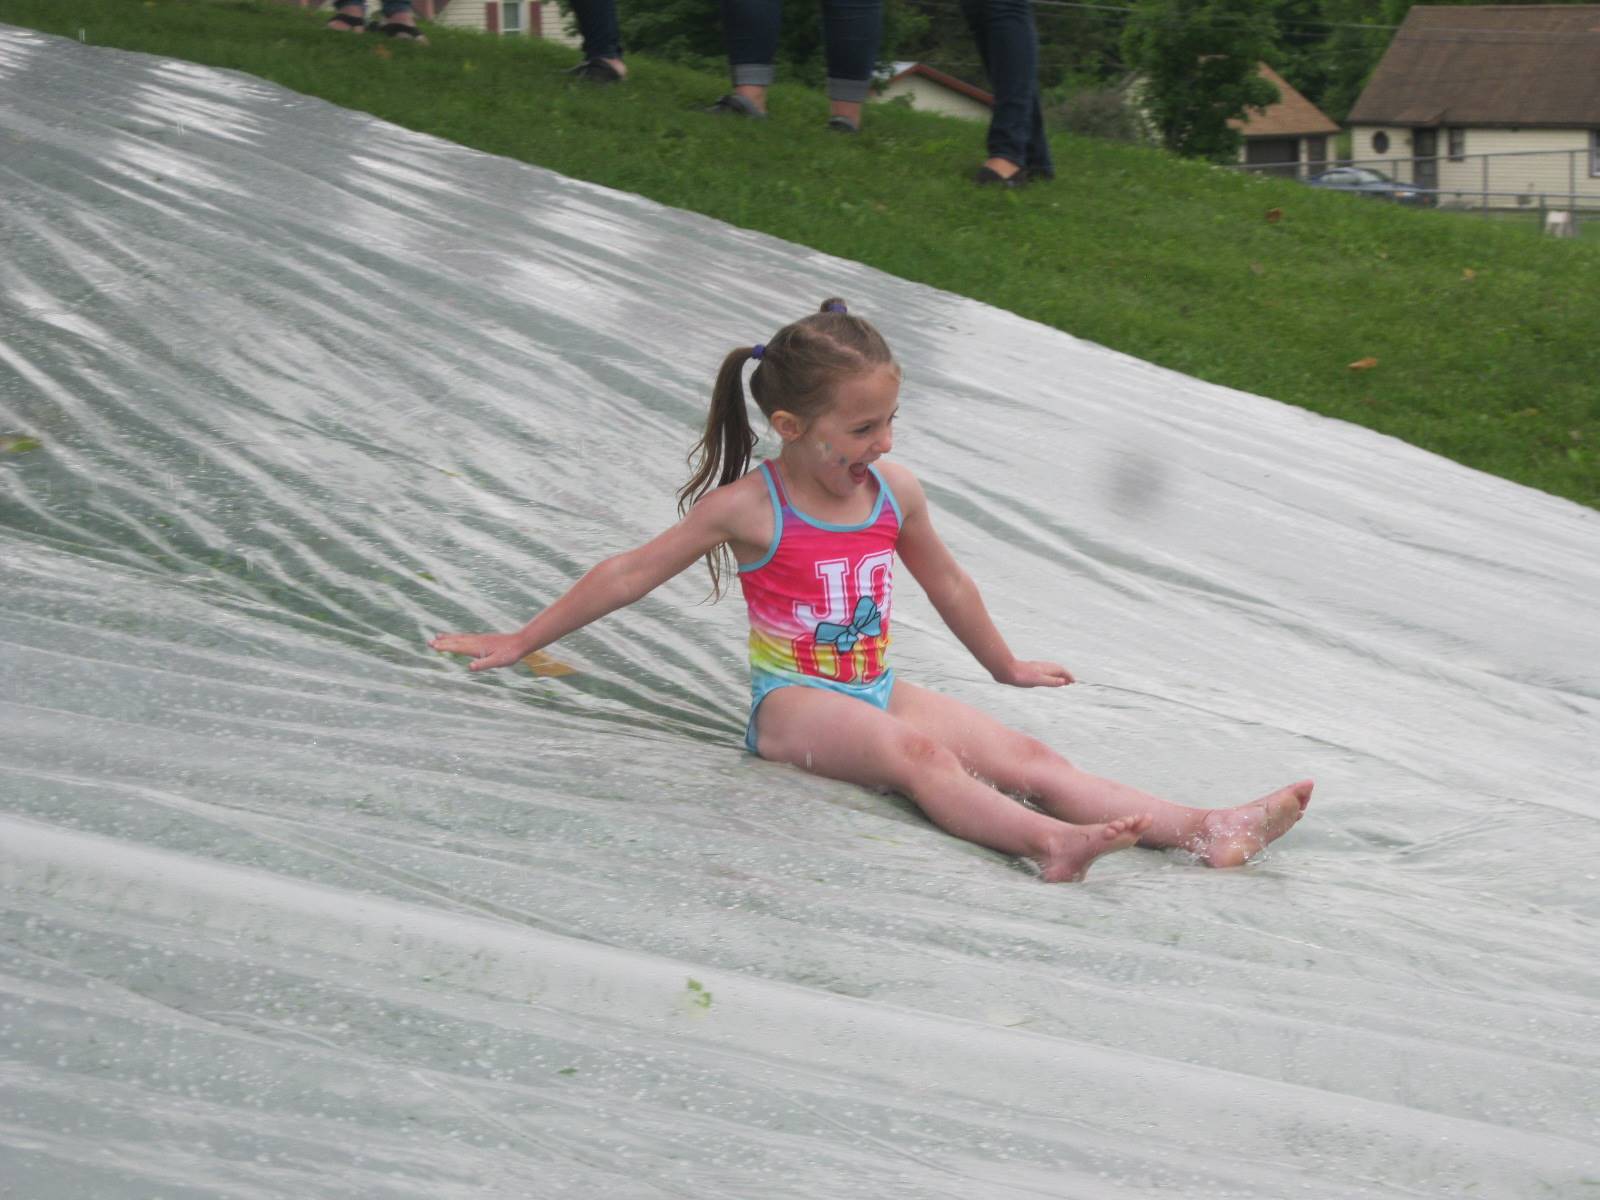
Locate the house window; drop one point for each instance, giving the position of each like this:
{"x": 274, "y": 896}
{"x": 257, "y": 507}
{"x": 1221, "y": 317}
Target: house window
{"x": 1594, "y": 153}
{"x": 1316, "y": 153}
{"x": 1380, "y": 142}
{"x": 510, "y": 16}
{"x": 1456, "y": 144}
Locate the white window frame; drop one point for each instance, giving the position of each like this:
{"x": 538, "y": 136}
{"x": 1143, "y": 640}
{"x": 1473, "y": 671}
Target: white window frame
{"x": 517, "y": 10}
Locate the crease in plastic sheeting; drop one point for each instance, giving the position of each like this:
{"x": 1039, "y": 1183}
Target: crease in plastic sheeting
{"x": 281, "y": 887}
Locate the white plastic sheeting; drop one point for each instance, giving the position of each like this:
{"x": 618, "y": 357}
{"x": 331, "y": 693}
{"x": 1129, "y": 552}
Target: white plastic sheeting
{"x": 294, "y": 907}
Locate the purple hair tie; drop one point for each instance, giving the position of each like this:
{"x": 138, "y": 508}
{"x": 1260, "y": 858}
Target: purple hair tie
{"x": 759, "y": 349}
{"x": 837, "y": 307}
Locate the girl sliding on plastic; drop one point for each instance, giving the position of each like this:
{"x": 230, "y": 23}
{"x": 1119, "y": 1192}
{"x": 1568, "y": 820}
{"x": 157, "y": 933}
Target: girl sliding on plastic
{"x": 813, "y": 534}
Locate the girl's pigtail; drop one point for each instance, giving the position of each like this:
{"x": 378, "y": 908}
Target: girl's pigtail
{"x": 723, "y": 452}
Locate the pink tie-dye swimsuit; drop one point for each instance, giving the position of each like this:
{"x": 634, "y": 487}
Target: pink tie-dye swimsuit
{"x": 819, "y": 602}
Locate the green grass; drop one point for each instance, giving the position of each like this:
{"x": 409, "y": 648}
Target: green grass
{"x": 1484, "y": 331}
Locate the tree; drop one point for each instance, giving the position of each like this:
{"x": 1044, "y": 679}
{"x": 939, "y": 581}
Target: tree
{"x": 1198, "y": 60}
{"x": 1328, "y": 48}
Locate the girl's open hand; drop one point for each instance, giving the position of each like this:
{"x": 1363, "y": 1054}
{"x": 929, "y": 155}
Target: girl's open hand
{"x": 1035, "y": 674}
{"x": 487, "y": 650}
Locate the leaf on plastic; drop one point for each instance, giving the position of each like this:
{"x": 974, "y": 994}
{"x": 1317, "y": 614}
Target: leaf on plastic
{"x": 541, "y": 663}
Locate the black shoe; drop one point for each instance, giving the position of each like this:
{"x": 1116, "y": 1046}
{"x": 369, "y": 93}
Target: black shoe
{"x": 595, "y": 70}
{"x": 843, "y": 125}
{"x": 735, "y": 105}
{"x": 988, "y": 177}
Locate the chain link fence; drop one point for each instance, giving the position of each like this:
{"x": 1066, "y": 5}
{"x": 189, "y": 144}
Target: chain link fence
{"x": 1558, "y": 190}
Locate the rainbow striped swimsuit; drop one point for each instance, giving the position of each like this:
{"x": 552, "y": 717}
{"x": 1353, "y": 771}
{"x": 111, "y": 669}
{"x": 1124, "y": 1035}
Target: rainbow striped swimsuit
{"x": 819, "y": 602}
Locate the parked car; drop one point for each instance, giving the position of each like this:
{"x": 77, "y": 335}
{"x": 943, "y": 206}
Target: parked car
{"x": 1369, "y": 182}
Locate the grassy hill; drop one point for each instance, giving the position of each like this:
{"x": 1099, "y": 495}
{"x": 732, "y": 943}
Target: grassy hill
{"x": 1483, "y": 332}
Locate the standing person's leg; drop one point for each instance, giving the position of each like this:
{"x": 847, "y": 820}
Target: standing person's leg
{"x": 349, "y": 16}
{"x": 400, "y": 22}
{"x": 1015, "y": 762}
{"x": 602, "y": 41}
{"x": 1009, "y": 47}
{"x": 1038, "y": 161}
{"x": 849, "y": 739}
{"x": 751, "y": 28}
{"x": 852, "y": 32}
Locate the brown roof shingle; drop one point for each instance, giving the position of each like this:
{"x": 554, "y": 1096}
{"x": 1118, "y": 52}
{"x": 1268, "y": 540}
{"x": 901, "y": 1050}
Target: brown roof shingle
{"x": 934, "y": 75}
{"x": 1522, "y": 65}
{"x": 1292, "y": 116}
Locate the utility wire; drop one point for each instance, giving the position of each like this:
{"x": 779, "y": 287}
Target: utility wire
{"x": 1499, "y": 35}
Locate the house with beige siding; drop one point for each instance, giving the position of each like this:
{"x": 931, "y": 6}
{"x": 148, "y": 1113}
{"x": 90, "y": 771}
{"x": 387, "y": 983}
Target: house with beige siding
{"x": 1497, "y": 106}
{"x": 513, "y": 18}
{"x": 1288, "y": 137}
{"x": 928, "y": 89}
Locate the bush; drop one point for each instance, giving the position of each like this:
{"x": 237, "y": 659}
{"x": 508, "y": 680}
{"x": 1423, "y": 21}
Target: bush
{"x": 1097, "y": 112}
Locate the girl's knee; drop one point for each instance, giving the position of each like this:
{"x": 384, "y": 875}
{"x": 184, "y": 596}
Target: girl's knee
{"x": 917, "y": 753}
{"x": 1036, "y": 762}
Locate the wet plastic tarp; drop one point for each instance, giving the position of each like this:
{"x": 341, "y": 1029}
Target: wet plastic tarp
{"x": 294, "y": 907}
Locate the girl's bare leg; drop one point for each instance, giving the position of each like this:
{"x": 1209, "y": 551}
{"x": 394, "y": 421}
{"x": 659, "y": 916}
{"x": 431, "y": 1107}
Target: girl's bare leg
{"x": 847, "y": 739}
{"x": 1015, "y": 762}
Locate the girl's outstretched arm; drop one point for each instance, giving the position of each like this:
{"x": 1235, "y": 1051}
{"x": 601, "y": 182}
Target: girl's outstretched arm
{"x": 954, "y": 594}
{"x": 723, "y": 515}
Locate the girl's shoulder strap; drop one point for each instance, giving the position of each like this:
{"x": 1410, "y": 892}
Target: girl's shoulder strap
{"x": 774, "y": 484}
{"x": 774, "y": 490}
{"x": 888, "y": 494}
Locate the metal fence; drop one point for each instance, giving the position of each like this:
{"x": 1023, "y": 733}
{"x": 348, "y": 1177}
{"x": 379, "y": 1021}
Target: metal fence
{"x": 1558, "y": 188}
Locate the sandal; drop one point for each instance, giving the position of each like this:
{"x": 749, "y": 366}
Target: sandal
{"x": 345, "y": 23}
{"x": 394, "y": 29}
{"x": 989, "y": 177}
{"x": 735, "y": 105}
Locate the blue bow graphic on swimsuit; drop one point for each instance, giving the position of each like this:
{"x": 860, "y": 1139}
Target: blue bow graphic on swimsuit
{"x": 867, "y": 622}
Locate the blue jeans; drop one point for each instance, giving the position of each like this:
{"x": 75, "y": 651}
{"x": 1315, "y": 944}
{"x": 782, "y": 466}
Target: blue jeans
{"x": 597, "y": 23}
{"x": 852, "y": 30}
{"x": 1009, "y": 47}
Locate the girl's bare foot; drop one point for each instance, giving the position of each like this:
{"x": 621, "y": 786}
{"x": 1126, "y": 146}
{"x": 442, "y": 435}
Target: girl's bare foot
{"x": 1073, "y": 847}
{"x": 1229, "y": 836}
